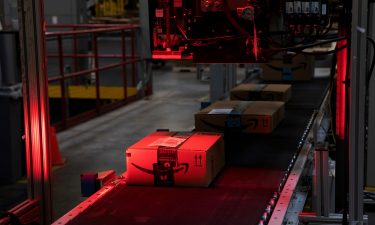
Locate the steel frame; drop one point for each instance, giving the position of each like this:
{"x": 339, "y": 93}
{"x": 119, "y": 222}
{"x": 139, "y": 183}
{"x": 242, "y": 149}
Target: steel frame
{"x": 357, "y": 111}
{"x": 26, "y": 210}
{"x": 322, "y": 182}
{"x": 69, "y": 216}
{"x": 370, "y": 182}
{"x": 357, "y": 124}
{"x": 288, "y": 191}
{"x": 75, "y": 31}
{"x": 223, "y": 78}
{"x": 144, "y": 45}
{"x": 36, "y": 112}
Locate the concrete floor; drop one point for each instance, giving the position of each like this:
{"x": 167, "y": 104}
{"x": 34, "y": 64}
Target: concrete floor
{"x": 99, "y": 144}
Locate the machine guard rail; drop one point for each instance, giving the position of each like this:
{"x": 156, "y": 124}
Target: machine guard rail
{"x": 73, "y": 33}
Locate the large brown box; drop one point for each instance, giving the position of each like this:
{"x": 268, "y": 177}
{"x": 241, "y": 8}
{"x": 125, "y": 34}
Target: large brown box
{"x": 298, "y": 67}
{"x": 262, "y": 92}
{"x": 175, "y": 159}
{"x": 260, "y": 117}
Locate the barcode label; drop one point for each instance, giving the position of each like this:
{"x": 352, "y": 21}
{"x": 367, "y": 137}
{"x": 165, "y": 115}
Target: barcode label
{"x": 324, "y": 9}
{"x": 297, "y": 7}
{"x": 221, "y": 111}
{"x": 306, "y": 7}
{"x": 171, "y": 142}
{"x": 289, "y": 7}
{"x": 315, "y": 7}
{"x": 177, "y": 3}
{"x": 159, "y": 13}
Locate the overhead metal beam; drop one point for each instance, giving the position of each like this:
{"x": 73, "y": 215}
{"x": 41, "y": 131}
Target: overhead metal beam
{"x": 36, "y": 112}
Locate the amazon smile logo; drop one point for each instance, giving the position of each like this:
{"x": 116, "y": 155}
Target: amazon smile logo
{"x": 182, "y": 167}
{"x": 299, "y": 66}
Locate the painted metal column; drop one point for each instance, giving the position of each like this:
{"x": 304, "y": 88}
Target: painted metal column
{"x": 144, "y": 46}
{"x": 357, "y": 111}
{"x": 231, "y": 76}
{"x": 321, "y": 184}
{"x": 223, "y": 78}
{"x": 371, "y": 113}
{"x": 217, "y": 81}
{"x": 145, "y": 29}
{"x": 36, "y": 111}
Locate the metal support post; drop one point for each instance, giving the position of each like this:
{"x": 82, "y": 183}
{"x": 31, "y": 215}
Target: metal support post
{"x": 217, "y": 81}
{"x": 321, "y": 189}
{"x": 144, "y": 46}
{"x": 223, "y": 77}
{"x": 357, "y": 109}
{"x": 200, "y": 69}
{"x": 145, "y": 29}
{"x": 321, "y": 182}
{"x": 371, "y": 110}
{"x": 36, "y": 112}
{"x": 231, "y": 76}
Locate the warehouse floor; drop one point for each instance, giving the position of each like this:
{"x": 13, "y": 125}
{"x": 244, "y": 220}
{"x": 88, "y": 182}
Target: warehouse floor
{"x": 99, "y": 144}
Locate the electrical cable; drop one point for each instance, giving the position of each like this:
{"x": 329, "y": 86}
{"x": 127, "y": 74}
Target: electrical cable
{"x": 201, "y": 44}
{"x": 183, "y": 33}
{"x": 324, "y": 52}
{"x": 181, "y": 30}
{"x": 327, "y": 36}
{"x": 328, "y": 28}
{"x": 331, "y": 88}
{"x": 369, "y": 193}
{"x": 369, "y": 196}
{"x": 273, "y": 42}
{"x": 369, "y": 75}
{"x": 302, "y": 47}
{"x": 216, "y": 38}
{"x": 233, "y": 22}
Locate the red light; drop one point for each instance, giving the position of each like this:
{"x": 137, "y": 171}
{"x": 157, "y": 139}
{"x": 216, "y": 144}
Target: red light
{"x": 255, "y": 43}
{"x": 341, "y": 91}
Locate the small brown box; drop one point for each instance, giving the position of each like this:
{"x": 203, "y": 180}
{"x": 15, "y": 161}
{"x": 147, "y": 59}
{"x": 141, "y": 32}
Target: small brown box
{"x": 260, "y": 117}
{"x": 262, "y": 92}
{"x": 175, "y": 159}
{"x": 298, "y": 67}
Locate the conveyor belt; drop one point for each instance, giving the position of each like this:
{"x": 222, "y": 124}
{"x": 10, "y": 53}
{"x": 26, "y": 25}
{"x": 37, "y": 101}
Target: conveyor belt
{"x": 255, "y": 167}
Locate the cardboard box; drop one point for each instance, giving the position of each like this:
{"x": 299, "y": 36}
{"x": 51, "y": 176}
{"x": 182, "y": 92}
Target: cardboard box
{"x": 260, "y": 117}
{"x": 175, "y": 159}
{"x": 289, "y": 67}
{"x": 262, "y": 92}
